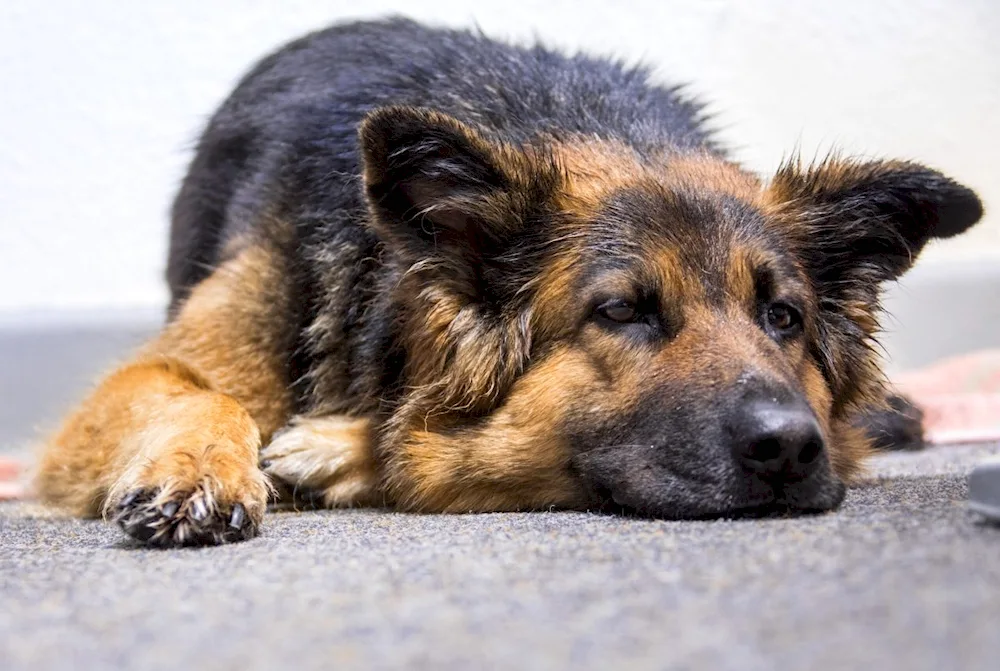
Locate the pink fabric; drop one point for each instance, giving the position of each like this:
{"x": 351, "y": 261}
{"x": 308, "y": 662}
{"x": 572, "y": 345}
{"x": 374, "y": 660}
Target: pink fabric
{"x": 960, "y": 397}
{"x": 10, "y": 471}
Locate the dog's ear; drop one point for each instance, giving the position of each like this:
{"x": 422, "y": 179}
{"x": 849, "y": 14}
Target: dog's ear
{"x": 855, "y": 225}
{"x": 436, "y": 184}
{"x": 452, "y": 205}
{"x": 868, "y": 221}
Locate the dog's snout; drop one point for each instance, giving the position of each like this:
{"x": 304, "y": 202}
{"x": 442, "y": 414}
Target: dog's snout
{"x": 777, "y": 439}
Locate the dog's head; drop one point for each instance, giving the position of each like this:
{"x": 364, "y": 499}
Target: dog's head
{"x": 691, "y": 341}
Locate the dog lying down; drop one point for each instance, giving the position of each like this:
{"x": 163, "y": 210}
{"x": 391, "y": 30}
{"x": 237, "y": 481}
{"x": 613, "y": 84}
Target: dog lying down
{"x": 420, "y": 268}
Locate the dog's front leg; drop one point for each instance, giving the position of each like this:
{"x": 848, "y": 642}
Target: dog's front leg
{"x": 172, "y": 461}
{"x": 168, "y": 444}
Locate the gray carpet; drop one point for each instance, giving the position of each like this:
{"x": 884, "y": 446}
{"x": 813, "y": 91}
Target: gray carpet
{"x": 902, "y": 577}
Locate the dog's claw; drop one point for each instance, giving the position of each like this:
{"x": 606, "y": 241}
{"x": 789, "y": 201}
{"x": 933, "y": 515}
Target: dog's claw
{"x": 198, "y": 510}
{"x": 185, "y": 519}
{"x": 129, "y": 499}
{"x": 238, "y": 517}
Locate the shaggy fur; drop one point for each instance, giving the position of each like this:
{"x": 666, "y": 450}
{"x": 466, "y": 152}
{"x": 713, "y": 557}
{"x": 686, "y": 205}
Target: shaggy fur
{"x": 425, "y": 269}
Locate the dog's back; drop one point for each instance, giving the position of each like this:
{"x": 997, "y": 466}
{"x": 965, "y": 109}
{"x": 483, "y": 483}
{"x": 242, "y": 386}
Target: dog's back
{"x": 287, "y": 136}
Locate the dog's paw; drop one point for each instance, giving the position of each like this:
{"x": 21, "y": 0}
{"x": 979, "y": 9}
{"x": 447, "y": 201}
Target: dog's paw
{"x": 897, "y": 426}
{"x": 192, "y": 485}
{"x": 173, "y": 518}
{"x": 326, "y": 460}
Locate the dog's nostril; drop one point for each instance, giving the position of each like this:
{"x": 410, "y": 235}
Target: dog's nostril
{"x": 810, "y": 452}
{"x": 777, "y": 439}
{"x": 765, "y": 450}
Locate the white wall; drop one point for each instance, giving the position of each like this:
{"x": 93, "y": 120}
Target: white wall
{"x": 101, "y": 101}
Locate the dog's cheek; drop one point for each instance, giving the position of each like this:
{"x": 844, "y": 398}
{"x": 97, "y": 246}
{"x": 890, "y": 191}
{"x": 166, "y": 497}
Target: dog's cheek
{"x": 847, "y": 446}
{"x": 817, "y": 392}
{"x": 516, "y": 458}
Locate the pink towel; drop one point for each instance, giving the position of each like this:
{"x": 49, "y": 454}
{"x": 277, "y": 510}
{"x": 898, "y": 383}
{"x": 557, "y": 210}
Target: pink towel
{"x": 10, "y": 470}
{"x": 960, "y": 397}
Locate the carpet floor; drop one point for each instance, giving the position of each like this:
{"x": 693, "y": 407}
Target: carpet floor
{"x": 903, "y": 576}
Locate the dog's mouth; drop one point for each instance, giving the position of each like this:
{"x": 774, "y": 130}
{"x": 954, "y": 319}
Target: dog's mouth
{"x": 659, "y": 483}
{"x": 780, "y": 504}
{"x": 772, "y": 510}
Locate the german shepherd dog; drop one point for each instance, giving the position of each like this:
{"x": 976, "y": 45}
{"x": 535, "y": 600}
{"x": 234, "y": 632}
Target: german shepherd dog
{"x": 423, "y": 269}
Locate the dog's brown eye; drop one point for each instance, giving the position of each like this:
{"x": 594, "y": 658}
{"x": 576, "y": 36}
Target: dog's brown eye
{"x": 782, "y": 317}
{"x": 617, "y": 310}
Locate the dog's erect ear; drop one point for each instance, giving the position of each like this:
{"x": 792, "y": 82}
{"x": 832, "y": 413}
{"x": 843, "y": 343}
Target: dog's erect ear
{"x": 434, "y": 182}
{"x": 854, "y": 226}
{"x": 868, "y": 221}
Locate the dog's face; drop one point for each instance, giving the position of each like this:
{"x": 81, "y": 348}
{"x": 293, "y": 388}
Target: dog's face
{"x": 690, "y": 341}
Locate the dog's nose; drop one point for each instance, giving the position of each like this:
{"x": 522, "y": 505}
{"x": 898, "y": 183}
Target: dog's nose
{"x": 777, "y": 439}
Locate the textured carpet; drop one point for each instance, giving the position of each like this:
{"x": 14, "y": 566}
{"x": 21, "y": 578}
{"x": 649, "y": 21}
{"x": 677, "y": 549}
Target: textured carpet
{"x": 902, "y": 577}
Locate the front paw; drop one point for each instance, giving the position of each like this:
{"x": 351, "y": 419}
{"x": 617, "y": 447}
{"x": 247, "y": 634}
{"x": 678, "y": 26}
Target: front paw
{"x": 168, "y": 517}
{"x": 897, "y": 426}
{"x": 325, "y": 460}
{"x": 192, "y": 493}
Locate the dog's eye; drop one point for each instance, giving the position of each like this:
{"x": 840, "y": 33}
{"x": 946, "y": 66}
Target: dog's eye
{"x": 618, "y": 310}
{"x": 783, "y": 318}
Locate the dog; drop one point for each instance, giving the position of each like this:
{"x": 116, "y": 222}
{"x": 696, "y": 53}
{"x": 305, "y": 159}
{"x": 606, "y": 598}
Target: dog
{"x": 419, "y": 268}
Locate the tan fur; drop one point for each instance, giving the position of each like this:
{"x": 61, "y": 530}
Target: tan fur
{"x": 330, "y": 457}
{"x": 795, "y": 184}
{"x": 594, "y": 169}
{"x": 226, "y": 332}
{"x": 187, "y": 416}
{"x": 461, "y": 361}
{"x": 709, "y": 173}
{"x": 740, "y": 284}
{"x": 847, "y": 445}
{"x": 513, "y": 461}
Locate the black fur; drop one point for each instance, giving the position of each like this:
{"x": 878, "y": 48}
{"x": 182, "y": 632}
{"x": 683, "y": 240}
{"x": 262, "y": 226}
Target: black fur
{"x": 285, "y": 143}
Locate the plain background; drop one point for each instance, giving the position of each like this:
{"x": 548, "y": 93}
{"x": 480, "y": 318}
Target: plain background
{"x": 102, "y": 100}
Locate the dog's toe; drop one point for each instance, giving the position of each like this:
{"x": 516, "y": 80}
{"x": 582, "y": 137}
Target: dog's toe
{"x": 185, "y": 519}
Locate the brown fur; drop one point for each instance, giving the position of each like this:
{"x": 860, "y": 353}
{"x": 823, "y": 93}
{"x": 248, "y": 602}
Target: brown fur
{"x": 594, "y": 169}
{"x": 511, "y": 462}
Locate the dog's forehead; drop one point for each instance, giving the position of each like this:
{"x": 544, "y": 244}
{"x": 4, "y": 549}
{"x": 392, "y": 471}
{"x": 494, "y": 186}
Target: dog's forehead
{"x": 690, "y": 220}
{"x": 690, "y": 210}
{"x": 699, "y": 241}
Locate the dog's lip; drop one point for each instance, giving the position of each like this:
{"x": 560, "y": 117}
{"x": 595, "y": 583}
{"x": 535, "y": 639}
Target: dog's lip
{"x": 777, "y": 504}
{"x": 679, "y": 494}
{"x": 771, "y": 510}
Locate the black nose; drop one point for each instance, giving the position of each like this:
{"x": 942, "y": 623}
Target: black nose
{"x": 777, "y": 439}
